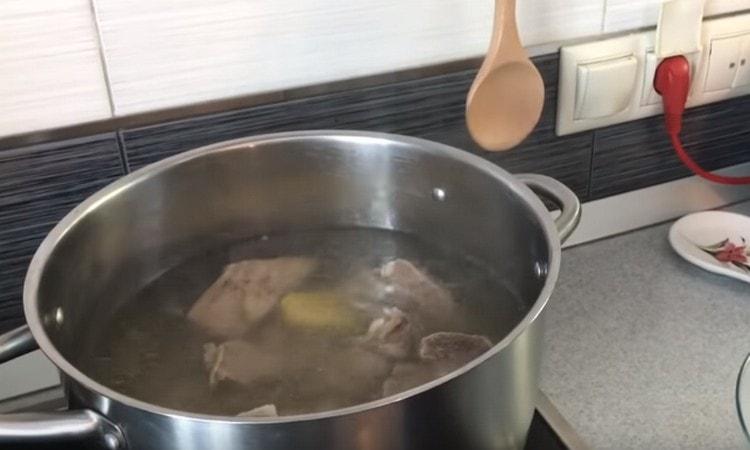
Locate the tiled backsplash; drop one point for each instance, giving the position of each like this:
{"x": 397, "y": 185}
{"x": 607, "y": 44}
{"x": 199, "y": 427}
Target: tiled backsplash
{"x": 638, "y": 154}
{"x": 39, "y": 184}
{"x": 71, "y": 61}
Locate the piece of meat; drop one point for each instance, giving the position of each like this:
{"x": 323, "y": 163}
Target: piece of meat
{"x": 213, "y": 358}
{"x": 440, "y": 353}
{"x": 266, "y": 411}
{"x": 391, "y": 334}
{"x": 316, "y": 373}
{"x": 457, "y": 348}
{"x": 242, "y": 362}
{"x": 246, "y": 292}
{"x": 411, "y": 289}
{"x": 348, "y": 372}
{"x": 367, "y": 291}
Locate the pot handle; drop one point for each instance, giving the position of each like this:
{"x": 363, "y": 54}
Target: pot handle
{"x": 84, "y": 428}
{"x": 15, "y": 343}
{"x": 29, "y": 430}
{"x": 562, "y": 196}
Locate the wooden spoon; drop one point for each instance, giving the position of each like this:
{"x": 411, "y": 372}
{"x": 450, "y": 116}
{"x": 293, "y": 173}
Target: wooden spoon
{"x": 506, "y": 99}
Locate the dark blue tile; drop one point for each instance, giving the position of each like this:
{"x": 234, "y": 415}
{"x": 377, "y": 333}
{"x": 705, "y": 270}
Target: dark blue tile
{"x": 411, "y": 108}
{"x": 638, "y": 154}
{"x": 431, "y": 108}
{"x": 38, "y": 186}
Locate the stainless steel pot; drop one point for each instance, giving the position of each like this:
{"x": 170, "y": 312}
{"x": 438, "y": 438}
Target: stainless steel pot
{"x": 132, "y": 230}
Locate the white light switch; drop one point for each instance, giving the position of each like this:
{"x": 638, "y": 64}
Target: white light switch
{"x": 605, "y": 88}
{"x": 722, "y": 63}
{"x": 742, "y": 78}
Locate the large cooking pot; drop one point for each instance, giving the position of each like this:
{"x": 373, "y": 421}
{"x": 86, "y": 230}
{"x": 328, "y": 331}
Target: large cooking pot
{"x": 131, "y": 231}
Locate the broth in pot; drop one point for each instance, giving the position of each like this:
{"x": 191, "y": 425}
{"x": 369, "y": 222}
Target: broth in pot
{"x": 301, "y": 322}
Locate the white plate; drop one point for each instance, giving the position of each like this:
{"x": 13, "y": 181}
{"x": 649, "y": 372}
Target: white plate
{"x": 704, "y": 238}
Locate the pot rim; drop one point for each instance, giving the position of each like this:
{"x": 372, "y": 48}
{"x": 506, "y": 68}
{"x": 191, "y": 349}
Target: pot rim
{"x": 37, "y": 265}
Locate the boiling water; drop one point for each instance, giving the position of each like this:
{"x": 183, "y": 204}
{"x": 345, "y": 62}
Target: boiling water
{"x": 148, "y": 350}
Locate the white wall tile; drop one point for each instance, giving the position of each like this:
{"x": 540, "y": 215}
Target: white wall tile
{"x": 50, "y": 70}
{"x": 543, "y": 21}
{"x": 631, "y": 14}
{"x": 166, "y": 53}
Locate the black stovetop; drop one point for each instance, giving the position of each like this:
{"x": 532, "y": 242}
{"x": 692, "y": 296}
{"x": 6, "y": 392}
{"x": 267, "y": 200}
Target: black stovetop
{"x": 542, "y": 436}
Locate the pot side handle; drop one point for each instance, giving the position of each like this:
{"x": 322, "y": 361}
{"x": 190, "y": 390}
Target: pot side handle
{"x": 562, "y": 196}
{"x": 81, "y": 428}
{"x": 16, "y": 343}
{"x": 78, "y": 429}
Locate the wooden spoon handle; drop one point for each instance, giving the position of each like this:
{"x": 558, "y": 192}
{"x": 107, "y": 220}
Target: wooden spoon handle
{"x": 505, "y": 44}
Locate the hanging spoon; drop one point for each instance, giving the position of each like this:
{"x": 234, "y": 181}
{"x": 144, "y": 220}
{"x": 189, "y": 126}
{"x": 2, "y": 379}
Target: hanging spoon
{"x": 506, "y": 99}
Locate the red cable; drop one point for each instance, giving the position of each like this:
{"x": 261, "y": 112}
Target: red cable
{"x": 672, "y": 82}
{"x": 700, "y": 171}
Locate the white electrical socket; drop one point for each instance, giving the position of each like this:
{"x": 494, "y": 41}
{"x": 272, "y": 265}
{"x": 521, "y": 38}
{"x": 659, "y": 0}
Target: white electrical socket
{"x": 719, "y": 70}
